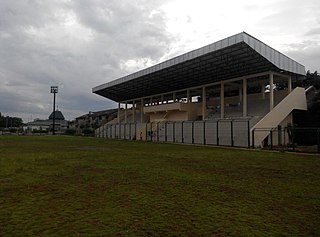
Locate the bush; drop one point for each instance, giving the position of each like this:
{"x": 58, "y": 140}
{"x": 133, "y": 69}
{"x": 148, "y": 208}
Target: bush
{"x": 13, "y": 130}
{"x": 88, "y": 131}
{"x": 70, "y": 131}
{"x": 39, "y": 131}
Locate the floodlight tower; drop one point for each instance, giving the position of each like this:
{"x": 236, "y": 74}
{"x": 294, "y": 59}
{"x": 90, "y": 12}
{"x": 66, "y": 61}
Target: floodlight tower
{"x": 54, "y": 90}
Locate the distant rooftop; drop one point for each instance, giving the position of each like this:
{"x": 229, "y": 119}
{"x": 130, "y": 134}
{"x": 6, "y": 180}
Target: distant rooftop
{"x": 58, "y": 115}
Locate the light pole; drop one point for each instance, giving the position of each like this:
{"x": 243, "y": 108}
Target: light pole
{"x": 54, "y": 90}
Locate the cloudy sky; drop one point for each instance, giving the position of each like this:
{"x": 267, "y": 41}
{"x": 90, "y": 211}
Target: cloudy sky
{"x": 79, "y": 44}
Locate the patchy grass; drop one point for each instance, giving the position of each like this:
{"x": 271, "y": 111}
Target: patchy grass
{"x": 72, "y": 186}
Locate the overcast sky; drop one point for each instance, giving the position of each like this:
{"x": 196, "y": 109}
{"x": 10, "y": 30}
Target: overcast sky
{"x": 79, "y": 44}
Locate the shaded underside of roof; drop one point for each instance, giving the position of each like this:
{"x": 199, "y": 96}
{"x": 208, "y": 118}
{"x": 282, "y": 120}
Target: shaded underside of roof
{"x": 237, "y": 56}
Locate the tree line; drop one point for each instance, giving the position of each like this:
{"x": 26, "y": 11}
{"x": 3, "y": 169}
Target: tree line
{"x": 10, "y": 122}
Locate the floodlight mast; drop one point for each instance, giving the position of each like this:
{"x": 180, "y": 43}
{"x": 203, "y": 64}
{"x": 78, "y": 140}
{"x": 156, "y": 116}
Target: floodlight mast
{"x": 54, "y": 90}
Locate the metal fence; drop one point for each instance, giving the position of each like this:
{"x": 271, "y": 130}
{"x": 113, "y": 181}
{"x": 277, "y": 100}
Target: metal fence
{"x": 290, "y": 139}
{"x": 226, "y": 132}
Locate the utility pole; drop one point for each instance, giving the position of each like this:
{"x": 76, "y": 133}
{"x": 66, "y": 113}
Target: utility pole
{"x": 54, "y": 91}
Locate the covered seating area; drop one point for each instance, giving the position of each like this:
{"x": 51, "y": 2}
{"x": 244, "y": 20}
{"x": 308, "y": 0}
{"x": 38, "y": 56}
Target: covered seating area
{"x": 237, "y": 77}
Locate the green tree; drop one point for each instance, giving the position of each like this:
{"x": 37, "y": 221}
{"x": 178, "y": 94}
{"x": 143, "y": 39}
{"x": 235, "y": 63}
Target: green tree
{"x": 7, "y": 121}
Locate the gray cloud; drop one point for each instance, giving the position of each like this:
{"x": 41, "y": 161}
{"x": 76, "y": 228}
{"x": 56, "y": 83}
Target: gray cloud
{"x": 79, "y": 44}
{"x": 314, "y": 31}
{"x": 307, "y": 52}
{"x": 73, "y": 44}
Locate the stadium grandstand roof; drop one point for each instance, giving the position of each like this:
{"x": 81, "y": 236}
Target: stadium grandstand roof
{"x": 233, "y": 57}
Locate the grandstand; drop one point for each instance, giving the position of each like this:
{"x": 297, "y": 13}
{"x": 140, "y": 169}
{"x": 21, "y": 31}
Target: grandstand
{"x": 232, "y": 92}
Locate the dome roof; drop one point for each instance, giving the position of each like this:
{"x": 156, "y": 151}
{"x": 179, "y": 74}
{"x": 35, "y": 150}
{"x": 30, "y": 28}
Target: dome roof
{"x": 58, "y": 115}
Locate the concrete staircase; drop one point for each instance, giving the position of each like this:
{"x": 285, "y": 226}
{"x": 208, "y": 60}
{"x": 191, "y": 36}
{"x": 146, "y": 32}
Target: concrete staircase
{"x": 295, "y": 100}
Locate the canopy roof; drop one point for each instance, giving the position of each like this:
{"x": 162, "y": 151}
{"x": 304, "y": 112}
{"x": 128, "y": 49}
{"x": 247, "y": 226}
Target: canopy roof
{"x": 236, "y": 56}
{"x": 58, "y": 115}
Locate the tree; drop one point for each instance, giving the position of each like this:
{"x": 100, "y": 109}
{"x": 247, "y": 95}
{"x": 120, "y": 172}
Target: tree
{"x": 7, "y": 121}
{"x": 311, "y": 79}
{"x": 315, "y": 110}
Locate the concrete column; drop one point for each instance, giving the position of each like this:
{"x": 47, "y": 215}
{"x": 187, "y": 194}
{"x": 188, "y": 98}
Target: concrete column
{"x": 240, "y": 94}
{"x": 222, "y": 101}
{"x": 161, "y": 99}
{"x": 204, "y": 103}
{"x": 150, "y": 100}
{"x": 271, "y": 99}
{"x": 244, "y": 98}
{"x": 141, "y": 111}
{"x": 125, "y": 112}
{"x": 188, "y": 96}
{"x": 263, "y": 94}
{"x": 133, "y": 111}
{"x": 174, "y": 97}
{"x": 119, "y": 113}
{"x": 289, "y": 85}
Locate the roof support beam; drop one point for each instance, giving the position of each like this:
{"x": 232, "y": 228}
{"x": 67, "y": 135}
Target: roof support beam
{"x": 244, "y": 98}
{"x": 141, "y": 110}
{"x": 204, "y": 103}
{"x": 133, "y": 111}
{"x": 271, "y": 99}
{"x": 263, "y": 94}
{"x": 289, "y": 84}
{"x": 119, "y": 113}
{"x": 125, "y": 112}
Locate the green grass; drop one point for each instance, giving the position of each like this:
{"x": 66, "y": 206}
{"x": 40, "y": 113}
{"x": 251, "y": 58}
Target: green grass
{"x": 72, "y": 186}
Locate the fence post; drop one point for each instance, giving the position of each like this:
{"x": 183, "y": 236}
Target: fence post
{"x": 248, "y": 127}
{"x": 165, "y": 131}
{"x": 279, "y": 135}
{"x": 130, "y": 131}
{"x": 135, "y": 131}
{"x": 218, "y": 132}
{"x": 253, "y": 138}
{"x": 182, "y": 137}
{"x": 271, "y": 139}
{"x": 293, "y": 145}
{"x": 157, "y": 131}
{"x": 125, "y": 131}
{"x": 106, "y": 131}
{"x": 102, "y": 131}
{"x": 318, "y": 136}
{"x": 146, "y": 131}
{"x": 232, "y": 142}
{"x": 192, "y": 132}
{"x": 204, "y": 132}
{"x": 151, "y": 132}
{"x": 111, "y": 134}
{"x": 174, "y": 132}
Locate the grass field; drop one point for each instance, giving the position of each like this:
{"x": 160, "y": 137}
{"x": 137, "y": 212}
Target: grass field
{"x": 73, "y": 186}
